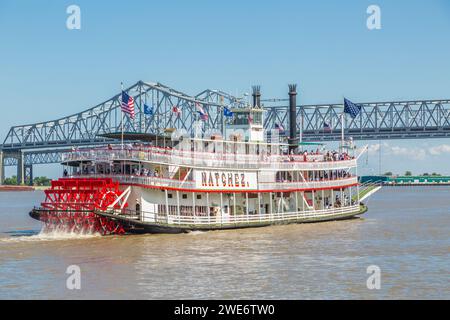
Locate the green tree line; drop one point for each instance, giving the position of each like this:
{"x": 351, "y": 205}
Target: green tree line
{"x": 38, "y": 181}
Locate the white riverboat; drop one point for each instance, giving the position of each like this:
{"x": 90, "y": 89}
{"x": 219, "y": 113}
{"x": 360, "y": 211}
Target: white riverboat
{"x": 244, "y": 177}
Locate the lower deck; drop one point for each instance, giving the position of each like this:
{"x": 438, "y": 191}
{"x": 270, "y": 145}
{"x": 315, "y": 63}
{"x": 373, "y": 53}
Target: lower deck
{"x": 149, "y": 208}
{"x": 150, "y": 204}
{"x": 172, "y": 224}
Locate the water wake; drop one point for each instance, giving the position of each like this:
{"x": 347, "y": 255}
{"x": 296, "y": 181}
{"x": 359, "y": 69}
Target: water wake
{"x": 196, "y": 233}
{"x": 50, "y": 234}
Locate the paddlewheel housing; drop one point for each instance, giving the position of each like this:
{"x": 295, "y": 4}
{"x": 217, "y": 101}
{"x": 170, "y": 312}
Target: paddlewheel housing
{"x": 71, "y": 203}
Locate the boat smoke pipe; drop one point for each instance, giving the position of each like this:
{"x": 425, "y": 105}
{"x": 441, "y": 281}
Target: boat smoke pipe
{"x": 293, "y": 140}
{"x": 256, "y": 96}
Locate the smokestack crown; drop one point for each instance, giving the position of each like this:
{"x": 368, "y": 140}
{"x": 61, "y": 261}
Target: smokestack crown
{"x": 256, "y": 96}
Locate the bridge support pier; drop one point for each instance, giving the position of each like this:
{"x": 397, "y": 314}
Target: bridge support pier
{"x": 2, "y": 168}
{"x": 29, "y": 174}
{"x": 20, "y": 169}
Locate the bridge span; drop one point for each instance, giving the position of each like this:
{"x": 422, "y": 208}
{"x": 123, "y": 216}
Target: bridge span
{"x": 44, "y": 142}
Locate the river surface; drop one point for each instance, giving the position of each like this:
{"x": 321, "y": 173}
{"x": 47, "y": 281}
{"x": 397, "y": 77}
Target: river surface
{"x": 406, "y": 233}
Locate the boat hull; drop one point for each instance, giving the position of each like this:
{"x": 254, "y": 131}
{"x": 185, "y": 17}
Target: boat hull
{"x": 132, "y": 226}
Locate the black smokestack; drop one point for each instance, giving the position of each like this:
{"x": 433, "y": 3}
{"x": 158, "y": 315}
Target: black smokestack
{"x": 256, "y": 96}
{"x": 293, "y": 140}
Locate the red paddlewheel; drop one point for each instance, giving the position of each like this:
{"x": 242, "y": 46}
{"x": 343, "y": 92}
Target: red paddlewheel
{"x": 70, "y": 203}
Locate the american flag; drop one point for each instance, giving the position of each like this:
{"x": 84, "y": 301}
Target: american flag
{"x": 203, "y": 116}
{"x": 199, "y": 108}
{"x": 127, "y": 104}
{"x": 351, "y": 108}
{"x": 279, "y": 127}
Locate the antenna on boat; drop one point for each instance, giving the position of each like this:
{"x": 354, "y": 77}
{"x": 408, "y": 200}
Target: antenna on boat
{"x": 342, "y": 127}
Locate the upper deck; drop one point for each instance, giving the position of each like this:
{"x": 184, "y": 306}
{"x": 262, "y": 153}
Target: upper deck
{"x": 199, "y": 164}
{"x": 220, "y": 155}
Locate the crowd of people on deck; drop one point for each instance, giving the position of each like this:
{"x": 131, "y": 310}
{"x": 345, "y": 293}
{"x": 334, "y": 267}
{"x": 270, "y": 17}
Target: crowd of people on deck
{"x": 323, "y": 175}
{"x": 338, "y": 203}
{"x": 329, "y": 175}
{"x": 293, "y": 156}
{"x": 315, "y": 155}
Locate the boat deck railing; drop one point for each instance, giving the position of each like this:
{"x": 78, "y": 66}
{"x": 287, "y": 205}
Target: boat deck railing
{"x": 188, "y": 184}
{"x": 211, "y": 159}
{"x": 227, "y": 219}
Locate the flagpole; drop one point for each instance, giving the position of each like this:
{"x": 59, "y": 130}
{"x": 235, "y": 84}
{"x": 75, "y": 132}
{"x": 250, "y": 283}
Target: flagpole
{"x": 121, "y": 86}
{"x": 342, "y": 128}
{"x": 223, "y": 119}
{"x": 301, "y": 127}
{"x": 224, "y": 125}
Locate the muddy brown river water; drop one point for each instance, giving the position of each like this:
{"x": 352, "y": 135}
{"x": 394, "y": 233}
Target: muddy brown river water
{"x": 406, "y": 233}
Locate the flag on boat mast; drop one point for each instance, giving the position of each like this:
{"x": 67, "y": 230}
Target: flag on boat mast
{"x": 201, "y": 112}
{"x": 227, "y": 112}
{"x": 279, "y": 127}
{"x": 176, "y": 110}
{"x": 148, "y": 110}
{"x": 127, "y": 104}
{"x": 351, "y": 108}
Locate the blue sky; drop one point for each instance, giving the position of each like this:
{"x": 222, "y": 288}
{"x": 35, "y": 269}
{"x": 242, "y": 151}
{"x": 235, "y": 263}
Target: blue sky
{"x": 48, "y": 71}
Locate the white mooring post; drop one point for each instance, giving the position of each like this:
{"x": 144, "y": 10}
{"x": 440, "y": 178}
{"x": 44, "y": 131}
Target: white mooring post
{"x": 259, "y": 206}
{"x": 313, "y": 199}
{"x": 323, "y": 200}
{"x": 357, "y": 186}
{"x": 303, "y": 201}
{"x": 271, "y": 209}
{"x": 234, "y": 206}
{"x": 167, "y": 205}
{"x": 350, "y": 190}
{"x": 246, "y": 205}
{"x": 332, "y": 198}
{"x": 178, "y": 207}
{"x": 194, "y": 214}
{"x": 221, "y": 207}
{"x": 207, "y": 208}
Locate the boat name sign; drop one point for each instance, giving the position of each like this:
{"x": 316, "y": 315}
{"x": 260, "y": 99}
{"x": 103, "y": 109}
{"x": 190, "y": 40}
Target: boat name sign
{"x": 225, "y": 180}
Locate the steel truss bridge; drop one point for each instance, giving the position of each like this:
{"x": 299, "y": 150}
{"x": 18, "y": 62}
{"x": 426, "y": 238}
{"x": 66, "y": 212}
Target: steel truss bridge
{"x": 45, "y": 142}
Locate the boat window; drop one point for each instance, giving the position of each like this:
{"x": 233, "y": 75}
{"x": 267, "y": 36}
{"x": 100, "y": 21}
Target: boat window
{"x": 257, "y": 118}
{"x": 241, "y": 118}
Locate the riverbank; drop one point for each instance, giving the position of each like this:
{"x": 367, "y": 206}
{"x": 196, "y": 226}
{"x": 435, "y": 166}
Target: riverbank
{"x": 420, "y": 184}
{"x": 22, "y": 188}
{"x": 16, "y": 188}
